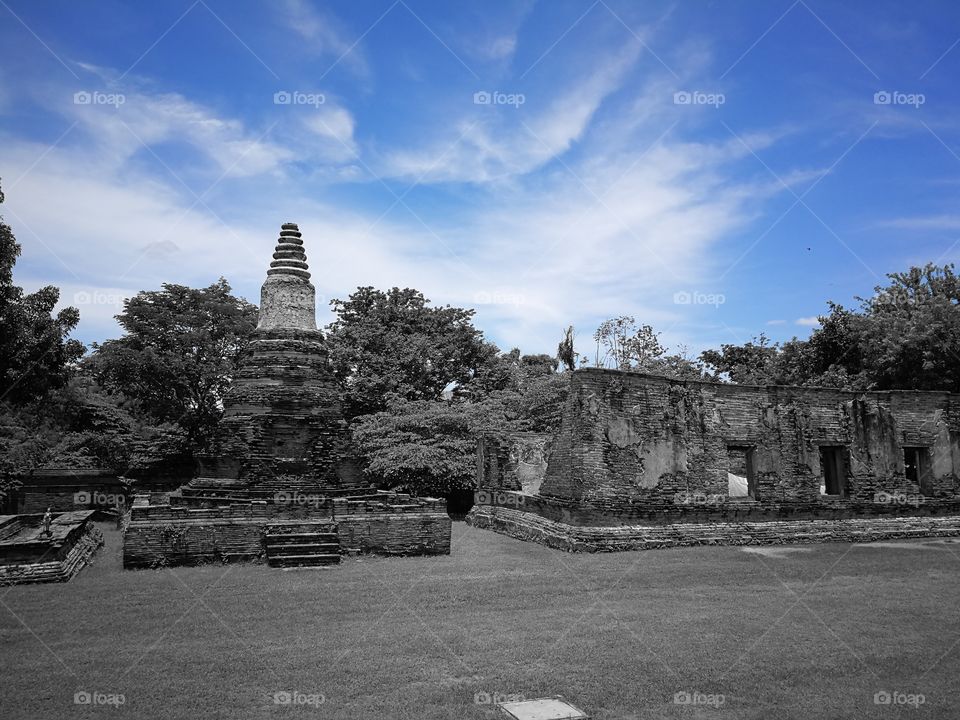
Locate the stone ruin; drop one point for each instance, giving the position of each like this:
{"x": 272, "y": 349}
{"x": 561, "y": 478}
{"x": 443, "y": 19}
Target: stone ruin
{"x": 29, "y": 553}
{"x": 281, "y": 481}
{"x": 643, "y": 461}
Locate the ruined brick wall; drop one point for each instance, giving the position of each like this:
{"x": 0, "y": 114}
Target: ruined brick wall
{"x": 513, "y": 461}
{"x": 67, "y": 489}
{"x": 633, "y": 441}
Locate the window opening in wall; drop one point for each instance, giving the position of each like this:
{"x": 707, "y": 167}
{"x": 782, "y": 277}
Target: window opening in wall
{"x": 916, "y": 465}
{"x": 741, "y": 476}
{"x": 833, "y": 471}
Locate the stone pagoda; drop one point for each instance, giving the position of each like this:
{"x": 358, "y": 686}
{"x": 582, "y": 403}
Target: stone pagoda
{"x": 282, "y": 429}
{"x": 280, "y": 481}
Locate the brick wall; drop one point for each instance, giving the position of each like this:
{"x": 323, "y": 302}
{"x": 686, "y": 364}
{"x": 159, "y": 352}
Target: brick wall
{"x": 631, "y": 441}
{"x": 65, "y": 489}
{"x": 513, "y": 461}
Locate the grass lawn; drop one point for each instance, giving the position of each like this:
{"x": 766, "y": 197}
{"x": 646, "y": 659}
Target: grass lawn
{"x": 799, "y": 632}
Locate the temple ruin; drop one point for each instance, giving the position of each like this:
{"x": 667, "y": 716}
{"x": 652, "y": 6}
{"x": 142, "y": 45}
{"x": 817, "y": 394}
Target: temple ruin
{"x": 644, "y": 461}
{"x": 33, "y": 553}
{"x": 280, "y": 481}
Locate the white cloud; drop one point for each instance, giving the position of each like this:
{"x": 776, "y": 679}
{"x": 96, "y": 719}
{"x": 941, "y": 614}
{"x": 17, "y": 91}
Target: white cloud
{"x": 333, "y": 127}
{"x": 500, "y": 48}
{"x": 324, "y": 35}
{"x": 776, "y": 322}
{"x": 145, "y": 120}
{"x": 812, "y": 321}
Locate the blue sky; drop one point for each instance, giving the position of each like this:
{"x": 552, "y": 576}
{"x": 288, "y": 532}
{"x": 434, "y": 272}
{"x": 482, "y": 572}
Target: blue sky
{"x": 716, "y": 169}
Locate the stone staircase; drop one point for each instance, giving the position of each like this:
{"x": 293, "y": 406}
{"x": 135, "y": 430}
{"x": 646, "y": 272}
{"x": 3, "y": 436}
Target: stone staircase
{"x": 302, "y": 544}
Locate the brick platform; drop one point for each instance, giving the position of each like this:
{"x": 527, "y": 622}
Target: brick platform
{"x": 26, "y": 556}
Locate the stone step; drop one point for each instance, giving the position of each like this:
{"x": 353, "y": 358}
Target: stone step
{"x": 303, "y": 560}
{"x": 324, "y": 536}
{"x": 290, "y": 548}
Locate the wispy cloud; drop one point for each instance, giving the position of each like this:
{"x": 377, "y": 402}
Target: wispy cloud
{"x": 324, "y": 35}
{"x": 926, "y": 222}
{"x": 488, "y": 143}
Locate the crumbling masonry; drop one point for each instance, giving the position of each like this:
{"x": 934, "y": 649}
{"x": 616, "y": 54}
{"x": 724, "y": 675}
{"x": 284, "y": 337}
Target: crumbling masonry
{"x": 644, "y": 461}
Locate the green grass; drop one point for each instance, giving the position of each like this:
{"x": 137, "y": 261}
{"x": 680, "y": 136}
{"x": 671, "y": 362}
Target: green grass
{"x": 616, "y": 634}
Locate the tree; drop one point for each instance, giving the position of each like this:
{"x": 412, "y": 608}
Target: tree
{"x": 909, "y": 334}
{"x": 425, "y": 447}
{"x": 906, "y": 336}
{"x": 626, "y": 346}
{"x": 753, "y": 363}
{"x": 396, "y": 343}
{"x": 181, "y": 348}
{"x": 35, "y": 352}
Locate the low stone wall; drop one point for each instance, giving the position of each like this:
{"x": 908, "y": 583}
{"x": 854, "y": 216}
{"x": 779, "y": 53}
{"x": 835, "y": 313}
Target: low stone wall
{"x": 531, "y": 526}
{"x": 160, "y": 542}
{"x": 421, "y": 533}
{"x": 165, "y": 535}
{"x": 701, "y": 508}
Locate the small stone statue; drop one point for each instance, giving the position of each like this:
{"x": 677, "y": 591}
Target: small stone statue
{"x": 47, "y": 519}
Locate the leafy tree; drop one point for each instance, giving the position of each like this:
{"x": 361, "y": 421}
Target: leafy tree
{"x": 396, "y": 343}
{"x": 35, "y": 353}
{"x": 540, "y": 406}
{"x": 425, "y": 447}
{"x": 753, "y": 363}
{"x": 907, "y": 335}
{"x": 680, "y": 366}
{"x": 181, "y": 348}
{"x": 626, "y": 346}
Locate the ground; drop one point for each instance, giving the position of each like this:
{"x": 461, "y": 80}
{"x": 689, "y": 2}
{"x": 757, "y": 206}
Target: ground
{"x": 790, "y": 632}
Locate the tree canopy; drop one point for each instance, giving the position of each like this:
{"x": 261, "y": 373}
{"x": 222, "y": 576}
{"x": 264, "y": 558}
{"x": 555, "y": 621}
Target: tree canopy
{"x": 35, "y": 351}
{"x": 396, "y": 343}
{"x": 181, "y": 348}
{"x": 906, "y": 336}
